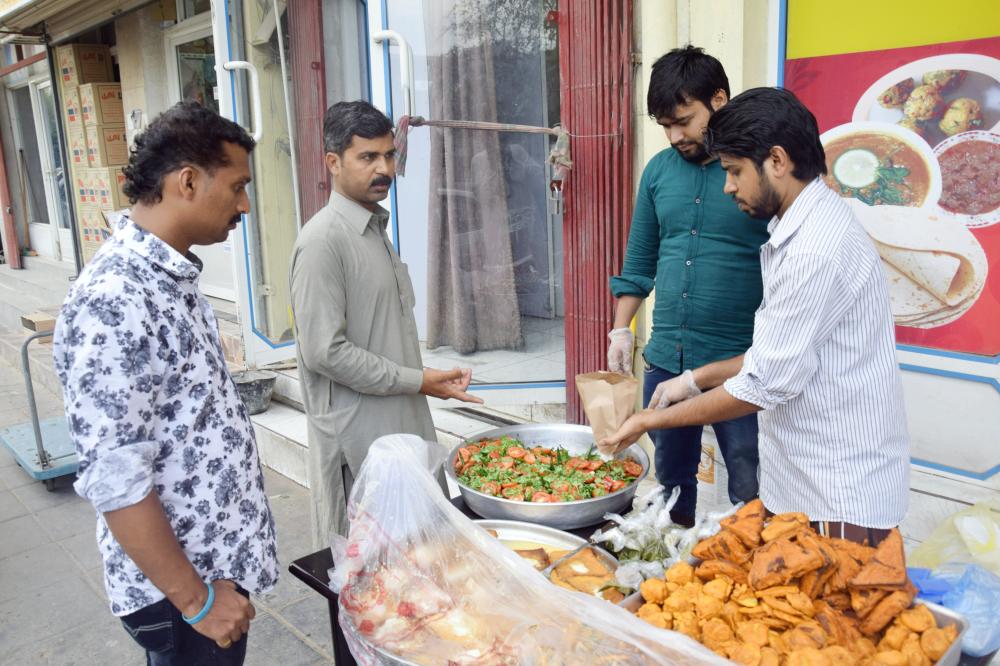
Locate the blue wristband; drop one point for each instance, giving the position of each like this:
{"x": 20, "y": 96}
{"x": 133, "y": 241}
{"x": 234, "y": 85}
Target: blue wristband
{"x": 204, "y": 609}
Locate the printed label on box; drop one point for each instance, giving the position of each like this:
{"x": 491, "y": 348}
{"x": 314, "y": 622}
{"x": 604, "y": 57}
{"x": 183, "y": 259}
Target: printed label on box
{"x": 71, "y": 108}
{"x": 101, "y": 104}
{"x": 83, "y": 63}
{"x": 77, "y": 147}
{"x": 107, "y": 145}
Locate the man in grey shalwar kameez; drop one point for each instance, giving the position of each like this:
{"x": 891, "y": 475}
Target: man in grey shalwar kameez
{"x": 359, "y": 359}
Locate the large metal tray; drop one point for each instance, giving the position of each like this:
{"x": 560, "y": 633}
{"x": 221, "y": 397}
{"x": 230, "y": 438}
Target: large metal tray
{"x": 516, "y": 530}
{"x": 577, "y": 439}
{"x": 943, "y": 616}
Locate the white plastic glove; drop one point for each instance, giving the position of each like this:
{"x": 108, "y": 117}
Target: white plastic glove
{"x": 674, "y": 390}
{"x": 620, "y": 351}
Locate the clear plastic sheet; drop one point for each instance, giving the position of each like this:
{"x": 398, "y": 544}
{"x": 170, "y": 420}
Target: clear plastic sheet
{"x": 420, "y": 583}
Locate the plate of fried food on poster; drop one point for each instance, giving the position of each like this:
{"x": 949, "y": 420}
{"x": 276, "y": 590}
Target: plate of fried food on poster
{"x": 773, "y": 592}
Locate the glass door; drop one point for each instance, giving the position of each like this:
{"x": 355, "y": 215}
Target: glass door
{"x": 191, "y": 73}
{"x": 252, "y": 44}
{"x": 471, "y": 217}
{"x": 53, "y": 175}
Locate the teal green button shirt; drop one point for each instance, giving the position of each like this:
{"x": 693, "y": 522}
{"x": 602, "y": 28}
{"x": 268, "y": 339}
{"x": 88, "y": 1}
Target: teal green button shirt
{"x": 690, "y": 241}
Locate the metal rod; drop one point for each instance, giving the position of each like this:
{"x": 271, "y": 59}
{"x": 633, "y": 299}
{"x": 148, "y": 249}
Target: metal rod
{"x": 43, "y": 457}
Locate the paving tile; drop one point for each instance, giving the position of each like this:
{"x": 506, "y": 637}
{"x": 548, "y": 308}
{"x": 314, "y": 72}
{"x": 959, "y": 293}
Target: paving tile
{"x": 12, "y": 476}
{"x": 34, "y": 569}
{"x": 271, "y": 642}
{"x": 311, "y": 616}
{"x": 37, "y": 498}
{"x": 535, "y": 369}
{"x": 10, "y": 506}
{"x": 100, "y": 642}
{"x": 75, "y": 516}
{"x": 83, "y": 548}
{"x": 6, "y": 458}
{"x": 41, "y": 611}
{"x": 21, "y": 534}
{"x": 14, "y": 416}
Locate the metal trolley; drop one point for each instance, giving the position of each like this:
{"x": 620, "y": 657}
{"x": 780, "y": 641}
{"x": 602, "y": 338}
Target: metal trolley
{"x": 42, "y": 448}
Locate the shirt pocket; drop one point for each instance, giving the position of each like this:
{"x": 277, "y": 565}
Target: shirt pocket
{"x": 406, "y": 295}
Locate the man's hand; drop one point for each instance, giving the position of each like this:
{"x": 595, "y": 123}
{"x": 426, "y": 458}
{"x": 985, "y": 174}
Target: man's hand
{"x": 447, "y": 384}
{"x": 627, "y": 435}
{"x": 620, "y": 351}
{"x": 229, "y": 617}
{"x": 674, "y": 390}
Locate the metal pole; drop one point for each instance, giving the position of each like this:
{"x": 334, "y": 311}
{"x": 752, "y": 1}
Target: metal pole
{"x": 43, "y": 457}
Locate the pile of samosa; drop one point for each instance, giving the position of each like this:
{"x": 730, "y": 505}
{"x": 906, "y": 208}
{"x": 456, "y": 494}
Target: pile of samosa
{"x": 773, "y": 592}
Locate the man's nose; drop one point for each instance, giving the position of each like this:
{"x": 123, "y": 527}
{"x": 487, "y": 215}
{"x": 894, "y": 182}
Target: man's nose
{"x": 730, "y": 186}
{"x": 244, "y": 203}
{"x": 386, "y": 167}
{"x": 675, "y": 134}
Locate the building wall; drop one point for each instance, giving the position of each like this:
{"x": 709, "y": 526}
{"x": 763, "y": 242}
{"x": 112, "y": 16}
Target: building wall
{"x": 142, "y": 65}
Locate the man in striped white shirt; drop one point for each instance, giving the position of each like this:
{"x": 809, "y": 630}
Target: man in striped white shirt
{"x": 822, "y": 367}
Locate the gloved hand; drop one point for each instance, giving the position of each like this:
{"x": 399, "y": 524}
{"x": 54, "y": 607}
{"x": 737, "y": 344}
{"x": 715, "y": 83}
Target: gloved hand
{"x": 674, "y": 390}
{"x": 620, "y": 351}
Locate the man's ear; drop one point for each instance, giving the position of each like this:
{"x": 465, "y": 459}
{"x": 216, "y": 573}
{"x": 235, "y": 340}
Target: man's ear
{"x": 719, "y": 99}
{"x": 778, "y": 163}
{"x": 333, "y": 163}
{"x": 186, "y": 181}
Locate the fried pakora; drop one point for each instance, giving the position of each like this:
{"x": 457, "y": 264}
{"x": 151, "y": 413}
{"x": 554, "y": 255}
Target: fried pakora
{"x": 887, "y": 568}
{"x": 962, "y": 115}
{"x": 747, "y": 523}
{"x": 780, "y": 561}
{"x": 895, "y": 96}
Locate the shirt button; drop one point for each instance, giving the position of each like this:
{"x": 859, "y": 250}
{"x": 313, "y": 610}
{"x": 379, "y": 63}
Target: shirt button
{"x": 684, "y": 295}
{"x": 694, "y": 232}
{"x": 687, "y": 263}
{"x": 698, "y": 200}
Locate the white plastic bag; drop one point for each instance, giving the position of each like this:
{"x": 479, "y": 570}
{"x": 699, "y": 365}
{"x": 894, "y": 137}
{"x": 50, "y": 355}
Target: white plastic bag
{"x": 421, "y": 583}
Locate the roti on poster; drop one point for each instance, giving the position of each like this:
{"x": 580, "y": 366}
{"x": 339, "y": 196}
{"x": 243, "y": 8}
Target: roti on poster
{"x": 934, "y": 266}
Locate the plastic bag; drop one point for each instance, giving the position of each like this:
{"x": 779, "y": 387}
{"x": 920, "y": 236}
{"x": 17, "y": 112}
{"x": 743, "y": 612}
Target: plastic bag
{"x": 971, "y": 535}
{"x": 972, "y": 591}
{"x": 421, "y": 583}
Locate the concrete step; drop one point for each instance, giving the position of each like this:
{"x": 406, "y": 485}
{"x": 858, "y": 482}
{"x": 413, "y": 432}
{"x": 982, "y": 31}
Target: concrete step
{"x": 42, "y": 285}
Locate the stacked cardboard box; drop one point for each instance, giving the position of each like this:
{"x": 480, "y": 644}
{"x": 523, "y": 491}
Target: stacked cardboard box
{"x": 95, "y": 133}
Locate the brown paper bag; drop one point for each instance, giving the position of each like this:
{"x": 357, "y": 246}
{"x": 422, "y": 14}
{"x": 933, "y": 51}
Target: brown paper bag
{"x": 608, "y": 399}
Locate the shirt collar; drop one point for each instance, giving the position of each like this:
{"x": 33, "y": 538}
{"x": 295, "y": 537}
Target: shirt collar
{"x": 358, "y": 217}
{"x": 781, "y": 229}
{"x": 149, "y": 246}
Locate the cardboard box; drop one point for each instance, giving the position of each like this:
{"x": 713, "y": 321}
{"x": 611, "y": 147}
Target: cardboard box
{"x": 77, "y": 139}
{"x": 94, "y": 230}
{"x": 107, "y": 145}
{"x": 109, "y": 183}
{"x": 71, "y": 109}
{"x": 84, "y": 189}
{"x": 101, "y": 104}
{"x": 83, "y": 63}
{"x": 38, "y": 322}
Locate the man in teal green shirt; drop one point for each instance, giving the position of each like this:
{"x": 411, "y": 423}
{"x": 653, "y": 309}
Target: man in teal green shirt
{"x": 690, "y": 241}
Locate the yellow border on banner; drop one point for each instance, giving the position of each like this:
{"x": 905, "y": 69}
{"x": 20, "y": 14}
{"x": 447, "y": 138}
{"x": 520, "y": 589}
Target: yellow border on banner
{"x": 831, "y": 27}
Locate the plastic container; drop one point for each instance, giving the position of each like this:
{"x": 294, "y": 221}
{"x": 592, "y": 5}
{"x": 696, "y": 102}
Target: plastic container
{"x": 255, "y": 388}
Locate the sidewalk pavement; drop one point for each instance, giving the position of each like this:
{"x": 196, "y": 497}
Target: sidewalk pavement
{"x": 53, "y": 609}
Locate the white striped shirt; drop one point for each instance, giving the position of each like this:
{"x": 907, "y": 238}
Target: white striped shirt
{"x": 833, "y": 440}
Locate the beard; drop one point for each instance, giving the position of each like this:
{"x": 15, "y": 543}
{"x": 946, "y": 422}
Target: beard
{"x": 696, "y": 156}
{"x": 766, "y": 204}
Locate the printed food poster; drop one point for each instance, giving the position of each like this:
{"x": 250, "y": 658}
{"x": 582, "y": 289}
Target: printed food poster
{"x": 912, "y": 140}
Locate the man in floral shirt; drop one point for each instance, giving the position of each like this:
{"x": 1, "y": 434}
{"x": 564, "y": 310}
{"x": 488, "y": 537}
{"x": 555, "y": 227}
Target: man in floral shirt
{"x": 167, "y": 452}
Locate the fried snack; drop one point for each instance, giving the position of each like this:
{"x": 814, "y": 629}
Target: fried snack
{"x": 612, "y": 594}
{"x": 846, "y": 568}
{"x": 723, "y": 546}
{"x": 805, "y": 635}
{"x": 962, "y": 115}
{"x": 680, "y": 573}
{"x": 708, "y": 606}
{"x": 752, "y": 632}
{"x": 838, "y": 655}
{"x": 784, "y": 524}
{"x": 710, "y": 569}
{"x": 769, "y": 657}
{"x": 863, "y": 601}
{"x": 780, "y": 561}
{"x": 895, "y": 96}
{"x": 890, "y": 658}
{"x": 715, "y": 634}
{"x": 538, "y": 557}
{"x": 841, "y": 629}
{"x": 687, "y": 623}
{"x": 839, "y": 600}
{"x": 934, "y": 642}
{"x": 746, "y": 654}
{"x": 859, "y": 552}
{"x": 588, "y": 584}
{"x": 918, "y": 618}
{"x": 924, "y": 103}
{"x": 648, "y": 610}
{"x": 887, "y": 568}
{"x": 653, "y": 590}
{"x": 885, "y": 611}
{"x": 894, "y": 637}
{"x": 807, "y": 656}
{"x": 747, "y": 523}
{"x": 652, "y": 614}
{"x": 814, "y": 582}
{"x": 584, "y": 563}
{"x": 944, "y": 79}
{"x": 914, "y": 654}
{"x": 720, "y": 588}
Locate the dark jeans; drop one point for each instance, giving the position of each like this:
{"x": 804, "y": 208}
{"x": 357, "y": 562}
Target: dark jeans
{"x": 170, "y": 641}
{"x": 678, "y": 451}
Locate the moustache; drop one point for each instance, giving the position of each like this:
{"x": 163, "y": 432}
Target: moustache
{"x": 236, "y": 220}
{"x": 382, "y": 181}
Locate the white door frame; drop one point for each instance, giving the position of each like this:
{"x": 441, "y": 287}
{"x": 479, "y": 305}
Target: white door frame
{"x": 52, "y": 233}
{"x": 199, "y": 27}
{"x": 64, "y": 236}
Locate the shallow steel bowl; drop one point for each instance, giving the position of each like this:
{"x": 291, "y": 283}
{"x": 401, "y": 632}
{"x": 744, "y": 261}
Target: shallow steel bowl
{"x": 576, "y": 439}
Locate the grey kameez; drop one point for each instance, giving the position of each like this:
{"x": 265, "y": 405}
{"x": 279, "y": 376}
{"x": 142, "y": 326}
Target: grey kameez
{"x": 359, "y": 359}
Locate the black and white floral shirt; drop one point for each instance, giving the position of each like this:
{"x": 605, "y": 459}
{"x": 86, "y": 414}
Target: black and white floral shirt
{"x": 151, "y": 406}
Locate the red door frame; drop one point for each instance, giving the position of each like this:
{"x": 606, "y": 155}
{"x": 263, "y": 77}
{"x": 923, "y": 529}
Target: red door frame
{"x": 305, "y": 24}
{"x": 596, "y": 81}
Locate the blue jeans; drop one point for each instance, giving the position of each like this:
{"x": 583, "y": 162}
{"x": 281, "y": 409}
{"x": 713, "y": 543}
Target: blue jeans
{"x": 170, "y": 641}
{"x": 678, "y": 451}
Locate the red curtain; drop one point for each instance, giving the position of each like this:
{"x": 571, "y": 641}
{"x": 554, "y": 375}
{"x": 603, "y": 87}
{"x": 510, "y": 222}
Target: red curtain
{"x": 596, "y": 74}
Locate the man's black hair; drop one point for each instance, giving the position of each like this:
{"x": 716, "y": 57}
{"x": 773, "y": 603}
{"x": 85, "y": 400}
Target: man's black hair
{"x": 186, "y": 134}
{"x": 755, "y": 121}
{"x": 345, "y": 120}
{"x": 684, "y": 75}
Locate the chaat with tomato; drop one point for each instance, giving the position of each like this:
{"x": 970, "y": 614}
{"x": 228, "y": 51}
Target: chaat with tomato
{"x": 505, "y": 467}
